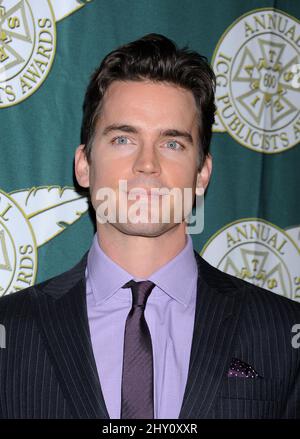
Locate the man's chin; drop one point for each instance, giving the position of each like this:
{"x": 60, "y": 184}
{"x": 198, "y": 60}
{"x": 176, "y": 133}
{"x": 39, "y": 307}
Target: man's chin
{"x": 146, "y": 230}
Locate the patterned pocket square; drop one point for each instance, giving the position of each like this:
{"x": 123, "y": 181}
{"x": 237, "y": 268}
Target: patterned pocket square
{"x": 241, "y": 369}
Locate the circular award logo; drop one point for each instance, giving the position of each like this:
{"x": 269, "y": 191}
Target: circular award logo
{"x": 18, "y": 249}
{"x": 256, "y": 63}
{"x": 29, "y": 218}
{"x": 27, "y": 48}
{"x": 258, "y": 252}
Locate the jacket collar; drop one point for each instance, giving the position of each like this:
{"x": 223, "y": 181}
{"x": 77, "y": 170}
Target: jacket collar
{"x": 217, "y": 312}
{"x": 60, "y": 309}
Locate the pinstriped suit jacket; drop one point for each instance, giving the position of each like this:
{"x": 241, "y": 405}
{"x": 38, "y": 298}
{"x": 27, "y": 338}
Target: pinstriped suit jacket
{"x": 47, "y": 369}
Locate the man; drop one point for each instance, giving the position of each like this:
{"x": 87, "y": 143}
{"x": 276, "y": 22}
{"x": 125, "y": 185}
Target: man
{"x": 143, "y": 327}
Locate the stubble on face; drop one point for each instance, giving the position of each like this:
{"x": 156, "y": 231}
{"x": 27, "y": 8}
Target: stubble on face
{"x": 145, "y": 110}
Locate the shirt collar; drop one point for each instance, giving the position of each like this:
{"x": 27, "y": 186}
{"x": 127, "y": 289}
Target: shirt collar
{"x": 176, "y": 278}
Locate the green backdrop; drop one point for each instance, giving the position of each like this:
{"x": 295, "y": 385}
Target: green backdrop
{"x": 48, "y": 50}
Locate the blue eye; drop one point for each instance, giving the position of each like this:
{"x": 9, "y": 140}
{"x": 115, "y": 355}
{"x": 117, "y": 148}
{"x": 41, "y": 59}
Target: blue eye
{"x": 173, "y": 144}
{"x": 121, "y": 140}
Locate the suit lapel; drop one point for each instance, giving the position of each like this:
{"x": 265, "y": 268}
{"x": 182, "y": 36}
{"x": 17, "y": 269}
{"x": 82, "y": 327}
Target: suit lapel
{"x": 62, "y": 316}
{"x": 216, "y": 316}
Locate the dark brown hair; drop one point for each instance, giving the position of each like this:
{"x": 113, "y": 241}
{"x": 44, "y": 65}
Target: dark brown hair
{"x": 153, "y": 57}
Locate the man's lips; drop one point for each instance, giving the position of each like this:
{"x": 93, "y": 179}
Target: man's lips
{"x": 148, "y": 192}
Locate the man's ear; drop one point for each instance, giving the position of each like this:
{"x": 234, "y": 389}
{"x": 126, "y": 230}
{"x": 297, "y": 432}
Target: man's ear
{"x": 203, "y": 176}
{"x": 82, "y": 167}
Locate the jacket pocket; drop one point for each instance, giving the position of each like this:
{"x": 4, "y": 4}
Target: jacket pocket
{"x": 260, "y": 389}
{"x": 249, "y": 398}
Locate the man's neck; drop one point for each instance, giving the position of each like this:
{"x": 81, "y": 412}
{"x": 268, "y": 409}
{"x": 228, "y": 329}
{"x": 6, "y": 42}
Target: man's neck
{"x": 139, "y": 255}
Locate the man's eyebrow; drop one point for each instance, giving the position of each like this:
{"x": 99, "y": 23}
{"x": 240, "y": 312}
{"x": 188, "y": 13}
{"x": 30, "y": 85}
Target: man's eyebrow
{"x": 165, "y": 133}
{"x": 177, "y": 133}
{"x": 116, "y": 127}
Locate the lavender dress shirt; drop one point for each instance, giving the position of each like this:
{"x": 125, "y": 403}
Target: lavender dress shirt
{"x": 169, "y": 312}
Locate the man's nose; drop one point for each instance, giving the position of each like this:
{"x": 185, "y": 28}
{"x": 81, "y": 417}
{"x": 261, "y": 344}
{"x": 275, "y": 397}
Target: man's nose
{"x": 147, "y": 160}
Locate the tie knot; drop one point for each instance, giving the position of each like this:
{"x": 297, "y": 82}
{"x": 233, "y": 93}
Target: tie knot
{"x": 140, "y": 291}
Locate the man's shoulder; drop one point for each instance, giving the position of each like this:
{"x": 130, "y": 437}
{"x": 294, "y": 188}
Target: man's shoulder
{"x": 253, "y": 295}
{"x": 19, "y": 302}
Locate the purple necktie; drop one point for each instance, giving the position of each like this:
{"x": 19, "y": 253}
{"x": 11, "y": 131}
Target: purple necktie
{"x": 137, "y": 375}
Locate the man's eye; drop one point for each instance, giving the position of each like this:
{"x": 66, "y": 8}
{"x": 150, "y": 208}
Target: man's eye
{"x": 174, "y": 145}
{"x": 121, "y": 140}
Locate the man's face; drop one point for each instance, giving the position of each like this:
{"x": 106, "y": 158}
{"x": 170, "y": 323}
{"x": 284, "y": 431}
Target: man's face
{"x": 146, "y": 134}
